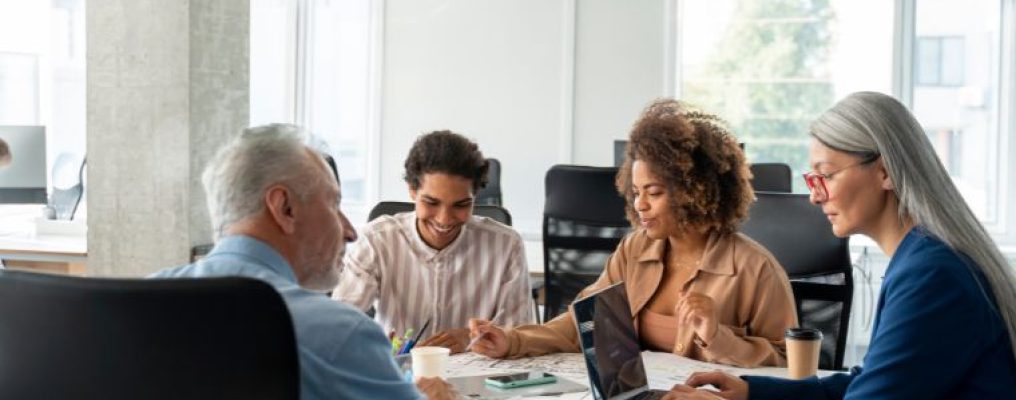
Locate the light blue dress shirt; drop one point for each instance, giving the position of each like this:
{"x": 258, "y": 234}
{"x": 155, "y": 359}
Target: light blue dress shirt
{"x": 343, "y": 354}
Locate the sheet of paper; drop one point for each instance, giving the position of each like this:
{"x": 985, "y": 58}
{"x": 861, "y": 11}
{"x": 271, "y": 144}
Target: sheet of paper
{"x": 666, "y": 370}
{"x": 569, "y": 365}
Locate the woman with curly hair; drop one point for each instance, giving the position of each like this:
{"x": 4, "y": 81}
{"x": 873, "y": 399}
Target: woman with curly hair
{"x": 696, "y": 287}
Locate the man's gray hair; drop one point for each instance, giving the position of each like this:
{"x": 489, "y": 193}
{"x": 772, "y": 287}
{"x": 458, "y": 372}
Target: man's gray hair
{"x": 868, "y": 123}
{"x": 237, "y": 177}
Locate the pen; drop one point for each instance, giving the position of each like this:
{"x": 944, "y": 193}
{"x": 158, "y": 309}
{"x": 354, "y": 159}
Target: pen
{"x": 475, "y": 339}
{"x": 412, "y": 342}
{"x": 478, "y": 337}
{"x": 405, "y": 347}
{"x": 396, "y": 345}
{"x": 419, "y": 334}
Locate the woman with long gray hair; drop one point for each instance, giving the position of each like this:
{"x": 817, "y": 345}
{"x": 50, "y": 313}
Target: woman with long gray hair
{"x": 945, "y": 326}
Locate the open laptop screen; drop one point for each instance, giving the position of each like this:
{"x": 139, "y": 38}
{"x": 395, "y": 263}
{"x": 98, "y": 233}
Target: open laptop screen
{"x": 610, "y": 344}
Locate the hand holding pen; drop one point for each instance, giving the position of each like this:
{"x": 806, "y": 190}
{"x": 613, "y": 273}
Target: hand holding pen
{"x": 454, "y": 339}
{"x": 488, "y": 339}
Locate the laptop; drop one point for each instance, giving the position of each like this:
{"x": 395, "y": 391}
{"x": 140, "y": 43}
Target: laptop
{"x": 610, "y": 346}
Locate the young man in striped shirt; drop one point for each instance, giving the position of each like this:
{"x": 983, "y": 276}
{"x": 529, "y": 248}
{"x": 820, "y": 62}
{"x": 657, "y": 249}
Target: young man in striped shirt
{"x": 439, "y": 263}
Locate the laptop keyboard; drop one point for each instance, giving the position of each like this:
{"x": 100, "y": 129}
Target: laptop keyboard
{"x": 651, "y": 395}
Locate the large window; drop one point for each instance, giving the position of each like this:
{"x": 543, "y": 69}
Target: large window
{"x": 771, "y": 66}
{"x": 312, "y": 64}
{"x": 956, "y": 92}
{"x": 42, "y": 70}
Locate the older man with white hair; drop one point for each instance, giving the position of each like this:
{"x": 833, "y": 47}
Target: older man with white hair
{"x": 275, "y": 211}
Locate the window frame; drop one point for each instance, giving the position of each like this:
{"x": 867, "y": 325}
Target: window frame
{"x": 940, "y": 41}
{"x": 300, "y": 79}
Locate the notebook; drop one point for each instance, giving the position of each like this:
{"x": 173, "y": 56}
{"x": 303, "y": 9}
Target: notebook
{"x": 610, "y": 346}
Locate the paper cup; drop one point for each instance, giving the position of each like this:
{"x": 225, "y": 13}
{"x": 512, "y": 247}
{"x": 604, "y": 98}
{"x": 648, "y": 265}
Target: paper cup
{"x": 429, "y": 361}
{"x": 803, "y": 345}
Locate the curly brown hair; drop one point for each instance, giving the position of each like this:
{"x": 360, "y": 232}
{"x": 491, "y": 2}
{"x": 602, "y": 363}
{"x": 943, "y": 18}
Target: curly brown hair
{"x": 699, "y": 160}
{"x": 449, "y": 153}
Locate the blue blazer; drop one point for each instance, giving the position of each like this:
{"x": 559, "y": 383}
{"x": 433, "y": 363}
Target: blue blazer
{"x": 937, "y": 335}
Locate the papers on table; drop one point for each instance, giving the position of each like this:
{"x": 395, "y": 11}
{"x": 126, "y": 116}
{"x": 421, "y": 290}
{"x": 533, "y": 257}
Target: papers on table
{"x": 569, "y": 365}
{"x": 663, "y": 369}
{"x": 666, "y": 370}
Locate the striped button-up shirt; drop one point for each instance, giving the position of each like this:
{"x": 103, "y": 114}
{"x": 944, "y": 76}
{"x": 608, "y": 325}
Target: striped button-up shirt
{"x": 482, "y": 274}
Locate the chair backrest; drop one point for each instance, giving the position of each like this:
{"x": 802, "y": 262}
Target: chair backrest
{"x": 67, "y": 337}
{"x": 490, "y": 195}
{"x": 817, "y": 262}
{"x": 496, "y": 213}
{"x": 771, "y": 177}
{"x": 583, "y": 222}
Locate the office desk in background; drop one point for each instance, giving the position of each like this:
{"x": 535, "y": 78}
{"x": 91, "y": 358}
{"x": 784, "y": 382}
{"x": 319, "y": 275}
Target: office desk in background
{"x": 663, "y": 369}
{"x": 22, "y": 248}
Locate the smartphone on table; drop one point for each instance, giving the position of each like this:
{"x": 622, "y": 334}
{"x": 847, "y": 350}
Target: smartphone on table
{"x": 520, "y": 379}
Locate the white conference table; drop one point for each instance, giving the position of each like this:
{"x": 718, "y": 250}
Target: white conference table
{"x": 664, "y": 370}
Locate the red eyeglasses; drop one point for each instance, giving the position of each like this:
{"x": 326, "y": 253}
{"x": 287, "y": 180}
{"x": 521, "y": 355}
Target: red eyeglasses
{"x": 817, "y": 181}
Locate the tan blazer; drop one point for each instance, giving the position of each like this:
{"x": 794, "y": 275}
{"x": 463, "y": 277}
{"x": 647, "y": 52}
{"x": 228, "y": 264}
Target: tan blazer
{"x": 750, "y": 290}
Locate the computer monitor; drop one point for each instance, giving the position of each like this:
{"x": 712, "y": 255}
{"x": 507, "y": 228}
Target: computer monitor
{"x": 23, "y": 180}
{"x": 619, "y": 148}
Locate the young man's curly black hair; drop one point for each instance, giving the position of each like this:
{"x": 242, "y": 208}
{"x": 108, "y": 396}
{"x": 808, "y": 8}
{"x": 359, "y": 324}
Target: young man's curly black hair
{"x": 449, "y": 153}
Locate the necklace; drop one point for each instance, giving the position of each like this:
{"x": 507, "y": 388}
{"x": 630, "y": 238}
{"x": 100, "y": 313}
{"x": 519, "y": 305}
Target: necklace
{"x": 681, "y": 264}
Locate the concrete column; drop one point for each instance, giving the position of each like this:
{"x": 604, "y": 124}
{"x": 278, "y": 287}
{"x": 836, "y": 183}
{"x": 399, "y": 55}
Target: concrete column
{"x": 167, "y": 83}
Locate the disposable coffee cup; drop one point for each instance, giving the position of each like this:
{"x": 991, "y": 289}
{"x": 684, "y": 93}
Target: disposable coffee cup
{"x": 803, "y": 345}
{"x": 429, "y": 362}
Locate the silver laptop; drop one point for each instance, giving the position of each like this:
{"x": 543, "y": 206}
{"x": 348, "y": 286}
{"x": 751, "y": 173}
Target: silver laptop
{"x": 610, "y": 346}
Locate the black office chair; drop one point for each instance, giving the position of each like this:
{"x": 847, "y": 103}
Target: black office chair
{"x": 493, "y": 212}
{"x": 490, "y": 195}
{"x": 771, "y": 177}
{"x": 583, "y": 222}
{"x": 817, "y": 263}
{"x": 67, "y": 337}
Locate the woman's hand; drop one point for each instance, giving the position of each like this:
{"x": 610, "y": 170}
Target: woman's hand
{"x": 492, "y": 342}
{"x": 437, "y": 389}
{"x": 697, "y": 311}
{"x": 731, "y": 387}
{"x": 454, "y": 339}
{"x": 685, "y": 392}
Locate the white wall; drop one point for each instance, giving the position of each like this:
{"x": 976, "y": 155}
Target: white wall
{"x": 619, "y": 62}
{"x": 511, "y": 75}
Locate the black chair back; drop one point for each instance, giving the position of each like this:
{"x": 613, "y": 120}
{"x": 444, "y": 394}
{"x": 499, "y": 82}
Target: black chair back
{"x": 67, "y": 337}
{"x": 496, "y": 213}
{"x": 817, "y": 262}
{"x": 583, "y": 222}
{"x": 771, "y": 177}
{"x": 490, "y": 195}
